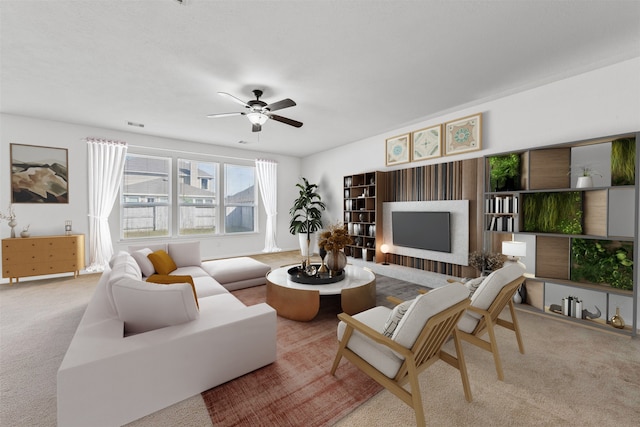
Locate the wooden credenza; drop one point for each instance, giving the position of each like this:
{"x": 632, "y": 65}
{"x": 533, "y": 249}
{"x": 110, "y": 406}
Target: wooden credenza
{"x": 34, "y": 256}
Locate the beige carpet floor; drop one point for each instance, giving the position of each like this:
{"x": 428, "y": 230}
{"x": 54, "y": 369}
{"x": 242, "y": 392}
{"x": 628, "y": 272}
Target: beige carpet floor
{"x": 568, "y": 376}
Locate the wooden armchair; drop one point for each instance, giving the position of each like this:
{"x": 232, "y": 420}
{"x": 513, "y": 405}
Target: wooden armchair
{"x": 414, "y": 345}
{"x": 487, "y": 302}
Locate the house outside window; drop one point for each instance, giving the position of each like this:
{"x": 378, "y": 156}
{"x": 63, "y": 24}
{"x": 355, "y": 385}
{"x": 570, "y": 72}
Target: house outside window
{"x": 146, "y": 197}
{"x": 239, "y": 199}
{"x": 211, "y": 198}
{"x": 197, "y": 202}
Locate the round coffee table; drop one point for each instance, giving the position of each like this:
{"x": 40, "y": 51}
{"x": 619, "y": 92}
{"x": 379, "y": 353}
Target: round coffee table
{"x": 299, "y": 301}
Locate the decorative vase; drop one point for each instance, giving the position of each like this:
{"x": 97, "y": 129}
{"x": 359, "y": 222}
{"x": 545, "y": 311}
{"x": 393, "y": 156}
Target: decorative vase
{"x": 517, "y": 298}
{"x": 25, "y": 234}
{"x": 13, "y": 224}
{"x": 584, "y": 182}
{"x": 616, "y": 320}
{"x": 336, "y": 261}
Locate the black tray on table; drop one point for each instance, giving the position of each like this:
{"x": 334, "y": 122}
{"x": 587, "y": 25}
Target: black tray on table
{"x": 296, "y": 274}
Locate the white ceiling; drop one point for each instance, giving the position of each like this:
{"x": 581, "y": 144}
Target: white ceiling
{"x": 355, "y": 68}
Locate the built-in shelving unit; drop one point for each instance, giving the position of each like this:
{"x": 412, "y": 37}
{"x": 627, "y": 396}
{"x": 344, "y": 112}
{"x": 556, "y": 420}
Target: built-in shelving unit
{"x": 601, "y": 218}
{"x": 363, "y": 196}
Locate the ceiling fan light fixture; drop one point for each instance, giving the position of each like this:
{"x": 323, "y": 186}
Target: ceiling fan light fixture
{"x": 257, "y": 118}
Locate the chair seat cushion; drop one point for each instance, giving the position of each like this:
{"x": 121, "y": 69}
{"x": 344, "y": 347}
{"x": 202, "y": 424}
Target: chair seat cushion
{"x": 377, "y": 355}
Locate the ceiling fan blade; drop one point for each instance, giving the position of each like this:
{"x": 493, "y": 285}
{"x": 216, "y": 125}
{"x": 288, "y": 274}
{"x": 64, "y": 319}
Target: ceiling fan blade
{"x": 234, "y": 99}
{"x": 213, "y": 116}
{"x": 285, "y": 120}
{"x": 285, "y": 103}
{"x": 256, "y": 128}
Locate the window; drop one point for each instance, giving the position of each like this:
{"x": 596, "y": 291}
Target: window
{"x": 239, "y": 198}
{"x": 197, "y": 204}
{"x": 210, "y": 198}
{"x": 145, "y": 196}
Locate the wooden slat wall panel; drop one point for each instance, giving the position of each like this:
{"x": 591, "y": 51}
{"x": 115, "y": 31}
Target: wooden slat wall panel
{"x": 459, "y": 180}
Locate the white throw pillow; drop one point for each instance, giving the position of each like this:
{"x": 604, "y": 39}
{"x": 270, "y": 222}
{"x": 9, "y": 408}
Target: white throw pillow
{"x": 144, "y": 306}
{"x": 472, "y": 284}
{"x": 493, "y": 284}
{"x": 185, "y": 254}
{"x": 395, "y": 317}
{"x": 145, "y": 264}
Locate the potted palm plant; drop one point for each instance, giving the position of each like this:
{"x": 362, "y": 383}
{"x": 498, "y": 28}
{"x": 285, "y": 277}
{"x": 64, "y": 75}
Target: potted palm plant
{"x": 306, "y": 215}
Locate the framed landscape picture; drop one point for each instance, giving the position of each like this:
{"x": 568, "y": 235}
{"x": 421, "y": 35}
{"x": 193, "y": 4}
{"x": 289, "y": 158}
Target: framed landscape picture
{"x": 463, "y": 135}
{"x": 426, "y": 143}
{"x": 39, "y": 174}
{"x": 397, "y": 149}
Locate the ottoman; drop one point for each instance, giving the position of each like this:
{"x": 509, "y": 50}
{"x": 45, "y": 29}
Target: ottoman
{"x": 237, "y": 273}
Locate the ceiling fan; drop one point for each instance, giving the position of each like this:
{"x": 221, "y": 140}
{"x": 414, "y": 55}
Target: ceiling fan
{"x": 258, "y": 112}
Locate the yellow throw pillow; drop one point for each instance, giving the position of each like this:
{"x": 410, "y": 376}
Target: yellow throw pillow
{"x": 162, "y": 262}
{"x": 165, "y": 279}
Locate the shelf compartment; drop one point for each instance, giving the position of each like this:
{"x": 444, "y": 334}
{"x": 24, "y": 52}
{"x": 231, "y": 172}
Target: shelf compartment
{"x": 553, "y": 257}
{"x": 546, "y": 168}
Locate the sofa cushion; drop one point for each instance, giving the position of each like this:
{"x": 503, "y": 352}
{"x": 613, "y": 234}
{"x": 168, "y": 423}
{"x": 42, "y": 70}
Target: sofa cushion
{"x": 185, "y": 254}
{"x": 162, "y": 262}
{"x": 146, "y": 306}
{"x": 231, "y": 270}
{"x": 425, "y": 306}
{"x": 207, "y": 286}
{"x": 171, "y": 279}
{"x": 153, "y": 246}
{"x": 122, "y": 265}
{"x": 192, "y": 271}
{"x": 145, "y": 264}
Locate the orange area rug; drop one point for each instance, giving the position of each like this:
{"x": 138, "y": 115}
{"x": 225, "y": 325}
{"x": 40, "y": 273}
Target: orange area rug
{"x": 297, "y": 389}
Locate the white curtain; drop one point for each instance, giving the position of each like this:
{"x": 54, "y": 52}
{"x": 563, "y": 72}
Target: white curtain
{"x": 106, "y": 164}
{"x": 268, "y": 184}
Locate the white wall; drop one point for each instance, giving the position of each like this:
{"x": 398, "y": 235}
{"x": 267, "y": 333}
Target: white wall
{"x": 599, "y": 103}
{"x": 595, "y": 104}
{"x": 48, "y": 219}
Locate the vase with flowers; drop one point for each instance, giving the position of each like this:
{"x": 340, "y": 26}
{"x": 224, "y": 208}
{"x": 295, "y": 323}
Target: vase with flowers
{"x": 10, "y": 217}
{"x": 333, "y": 240}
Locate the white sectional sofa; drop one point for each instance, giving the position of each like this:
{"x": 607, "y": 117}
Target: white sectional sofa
{"x": 141, "y": 346}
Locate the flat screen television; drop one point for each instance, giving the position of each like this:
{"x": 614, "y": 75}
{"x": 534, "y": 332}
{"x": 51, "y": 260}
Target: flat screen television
{"x": 422, "y": 230}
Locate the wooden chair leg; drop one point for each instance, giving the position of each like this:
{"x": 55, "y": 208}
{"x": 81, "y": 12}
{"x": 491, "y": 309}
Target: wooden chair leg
{"x": 416, "y": 397}
{"x": 516, "y": 327}
{"x": 494, "y": 348}
{"x": 462, "y": 366}
{"x": 341, "y": 346}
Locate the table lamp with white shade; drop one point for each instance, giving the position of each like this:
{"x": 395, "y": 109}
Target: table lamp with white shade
{"x": 514, "y": 250}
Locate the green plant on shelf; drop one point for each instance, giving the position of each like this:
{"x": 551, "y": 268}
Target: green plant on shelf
{"x": 553, "y": 212}
{"x": 602, "y": 261}
{"x": 504, "y": 172}
{"x": 623, "y": 155}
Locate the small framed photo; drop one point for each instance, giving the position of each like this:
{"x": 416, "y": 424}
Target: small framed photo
{"x": 397, "y": 149}
{"x": 463, "y": 135}
{"x": 39, "y": 174}
{"x": 426, "y": 143}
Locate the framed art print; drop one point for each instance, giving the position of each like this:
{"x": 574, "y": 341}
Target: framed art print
{"x": 426, "y": 143}
{"x": 463, "y": 135}
{"x": 397, "y": 150}
{"x": 39, "y": 174}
